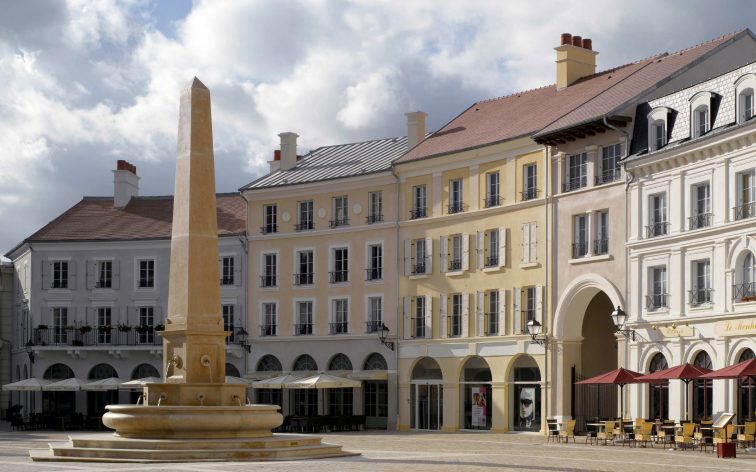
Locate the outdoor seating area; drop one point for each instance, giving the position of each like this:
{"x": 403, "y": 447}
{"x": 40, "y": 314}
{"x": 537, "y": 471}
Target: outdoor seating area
{"x": 322, "y": 424}
{"x": 39, "y": 421}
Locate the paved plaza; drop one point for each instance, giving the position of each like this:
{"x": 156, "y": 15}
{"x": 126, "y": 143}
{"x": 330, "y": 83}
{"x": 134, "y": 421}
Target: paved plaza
{"x": 413, "y": 452}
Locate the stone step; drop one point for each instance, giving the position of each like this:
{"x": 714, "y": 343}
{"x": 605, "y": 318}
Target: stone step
{"x": 115, "y": 442}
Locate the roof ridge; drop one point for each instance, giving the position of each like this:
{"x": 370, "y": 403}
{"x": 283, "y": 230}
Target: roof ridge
{"x": 354, "y": 142}
{"x": 520, "y": 92}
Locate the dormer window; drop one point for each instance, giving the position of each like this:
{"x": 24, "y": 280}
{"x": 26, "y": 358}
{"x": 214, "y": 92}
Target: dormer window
{"x": 701, "y": 117}
{"x": 744, "y": 93}
{"x": 659, "y": 138}
{"x": 700, "y": 121}
{"x": 746, "y": 105}
{"x": 657, "y": 128}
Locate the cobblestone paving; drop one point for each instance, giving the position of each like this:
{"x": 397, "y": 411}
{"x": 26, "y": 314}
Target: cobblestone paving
{"x": 411, "y": 452}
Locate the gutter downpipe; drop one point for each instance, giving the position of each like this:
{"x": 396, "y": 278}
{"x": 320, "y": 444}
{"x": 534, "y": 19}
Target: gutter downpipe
{"x": 398, "y": 287}
{"x": 245, "y": 274}
{"x": 547, "y": 285}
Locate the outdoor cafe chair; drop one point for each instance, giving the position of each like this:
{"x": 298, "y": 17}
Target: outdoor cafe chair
{"x": 644, "y": 434}
{"x": 685, "y": 438}
{"x": 607, "y": 434}
{"x": 553, "y": 430}
{"x": 568, "y": 431}
{"x": 746, "y": 438}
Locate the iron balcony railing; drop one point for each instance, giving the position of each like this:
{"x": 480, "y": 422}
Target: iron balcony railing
{"x": 416, "y": 213}
{"x": 600, "y": 246}
{"x": 268, "y": 281}
{"x": 377, "y": 218}
{"x": 339, "y": 328}
{"x": 373, "y": 326}
{"x": 455, "y": 265}
{"x": 492, "y": 260}
{"x": 373, "y": 273}
{"x": 104, "y": 284}
{"x": 302, "y": 329}
{"x": 529, "y": 194}
{"x": 660, "y": 228}
{"x": 492, "y": 323}
{"x": 268, "y": 330}
{"x": 700, "y": 296}
{"x": 608, "y": 176}
{"x": 228, "y": 280}
{"x": 303, "y": 279}
{"x": 339, "y": 222}
{"x": 268, "y": 228}
{"x": 701, "y": 220}
{"x": 745, "y": 292}
{"x": 492, "y": 201}
{"x": 579, "y": 249}
{"x": 418, "y": 269}
{"x": 107, "y": 335}
{"x": 338, "y": 276}
{"x": 304, "y": 226}
{"x": 574, "y": 183}
{"x": 457, "y": 207}
{"x": 746, "y": 210}
{"x": 657, "y": 301}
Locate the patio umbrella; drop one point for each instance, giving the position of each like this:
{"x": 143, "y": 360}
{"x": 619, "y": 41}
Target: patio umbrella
{"x": 619, "y": 377}
{"x": 684, "y": 372}
{"x": 323, "y": 380}
{"x": 111, "y": 383}
{"x": 136, "y": 384}
{"x": 28, "y": 385}
{"x": 743, "y": 369}
{"x": 68, "y": 385}
{"x": 276, "y": 382}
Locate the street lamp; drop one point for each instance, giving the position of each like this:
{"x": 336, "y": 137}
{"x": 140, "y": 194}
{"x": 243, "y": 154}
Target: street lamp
{"x": 241, "y": 335}
{"x": 30, "y": 352}
{"x": 534, "y": 330}
{"x": 383, "y": 332}
{"x": 619, "y": 317}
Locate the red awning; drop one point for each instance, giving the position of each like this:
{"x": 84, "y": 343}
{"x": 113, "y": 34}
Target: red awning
{"x": 616, "y": 377}
{"x": 681, "y": 372}
{"x": 743, "y": 369}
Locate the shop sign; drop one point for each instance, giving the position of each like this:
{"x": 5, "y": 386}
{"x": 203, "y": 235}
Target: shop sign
{"x": 735, "y": 327}
{"x": 676, "y": 331}
{"x": 479, "y": 401}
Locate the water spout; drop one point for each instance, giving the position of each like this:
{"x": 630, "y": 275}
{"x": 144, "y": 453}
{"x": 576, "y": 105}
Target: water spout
{"x": 238, "y": 399}
{"x": 163, "y": 396}
{"x": 205, "y": 361}
{"x": 201, "y": 398}
{"x": 140, "y": 400}
{"x": 248, "y": 402}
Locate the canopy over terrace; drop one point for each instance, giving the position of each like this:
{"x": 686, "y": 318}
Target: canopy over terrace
{"x": 27, "y": 385}
{"x": 68, "y": 385}
{"x": 684, "y": 372}
{"x": 619, "y": 377}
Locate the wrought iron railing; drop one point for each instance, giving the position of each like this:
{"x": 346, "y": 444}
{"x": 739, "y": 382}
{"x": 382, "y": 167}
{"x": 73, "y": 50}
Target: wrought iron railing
{"x": 416, "y": 213}
{"x": 701, "y": 220}
{"x": 745, "y": 210}
{"x": 457, "y": 207}
{"x": 268, "y": 330}
{"x": 700, "y": 296}
{"x": 373, "y": 326}
{"x": 268, "y": 281}
{"x": 574, "y": 183}
{"x": 304, "y": 226}
{"x": 579, "y": 249}
{"x": 455, "y": 265}
{"x": 339, "y": 328}
{"x": 418, "y": 269}
{"x": 303, "y": 278}
{"x": 377, "y": 218}
{"x": 339, "y": 222}
{"x": 745, "y": 292}
{"x": 529, "y": 194}
{"x": 600, "y": 246}
{"x": 267, "y": 229}
{"x": 608, "y": 176}
{"x": 657, "y": 301}
{"x": 660, "y": 228}
{"x": 492, "y": 201}
{"x": 302, "y": 329}
{"x": 492, "y": 260}
{"x": 373, "y": 273}
{"x": 338, "y": 276}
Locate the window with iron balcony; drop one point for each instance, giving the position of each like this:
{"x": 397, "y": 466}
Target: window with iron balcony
{"x": 529, "y": 174}
{"x": 455, "y": 196}
{"x": 340, "y": 212}
{"x": 417, "y": 320}
{"x": 375, "y": 208}
{"x": 577, "y": 172}
{"x": 493, "y": 199}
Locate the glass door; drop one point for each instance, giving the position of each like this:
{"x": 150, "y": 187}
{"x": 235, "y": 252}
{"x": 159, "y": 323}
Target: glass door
{"x": 428, "y": 402}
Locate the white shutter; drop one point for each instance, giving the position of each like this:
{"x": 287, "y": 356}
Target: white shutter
{"x": 428, "y": 255}
{"x": 72, "y": 275}
{"x": 481, "y": 312}
{"x": 90, "y": 276}
{"x": 46, "y": 271}
{"x": 444, "y": 254}
{"x": 533, "y": 243}
{"x": 428, "y": 316}
{"x": 116, "y": 275}
{"x": 442, "y": 307}
{"x": 407, "y": 257}
{"x": 502, "y": 312}
{"x": 539, "y": 303}
{"x": 465, "y": 314}
{"x": 480, "y": 248}
{"x": 237, "y": 271}
{"x": 465, "y": 251}
{"x": 516, "y": 311}
{"x": 407, "y": 317}
{"x": 502, "y": 247}
{"x": 526, "y": 242}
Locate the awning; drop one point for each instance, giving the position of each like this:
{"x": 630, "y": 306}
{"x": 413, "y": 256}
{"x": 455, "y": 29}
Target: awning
{"x": 230, "y": 379}
{"x": 369, "y": 375}
{"x": 262, "y": 375}
{"x": 323, "y": 380}
{"x": 68, "y": 385}
{"x": 139, "y": 383}
{"x": 276, "y": 382}
{"x": 28, "y": 385}
{"x": 111, "y": 383}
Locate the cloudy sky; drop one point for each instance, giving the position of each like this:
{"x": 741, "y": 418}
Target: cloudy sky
{"x": 85, "y": 83}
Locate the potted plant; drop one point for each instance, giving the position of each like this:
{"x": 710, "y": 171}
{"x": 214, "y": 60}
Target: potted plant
{"x": 143, "y": 329}
{"x": 85, "y": 329}
{"x": 124, "y": 328}
{"x": 42, "y": 326}
{"x": 159, "y": 327}
{"x": 104, "y": 328}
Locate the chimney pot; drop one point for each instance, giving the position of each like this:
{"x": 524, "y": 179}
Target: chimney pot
{"x": 566, "y": 38}
{"x": 587, "y": 44}
{"x": 577, "y": 41}
{"x": 288, "y": 150}
{"x": 575, "y": 59}
{"x": 125, "y": 183}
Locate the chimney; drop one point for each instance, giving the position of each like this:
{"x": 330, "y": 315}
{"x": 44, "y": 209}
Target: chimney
{"x": 415, "y": 128}
{"x": 125, "y": 183}
{"x": 575, "y": 59}
{"x": 275, "y": 164}
{"x": 288, "y": 150}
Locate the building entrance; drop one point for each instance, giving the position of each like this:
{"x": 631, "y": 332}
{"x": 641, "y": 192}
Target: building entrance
{"x": 426, "y": 396}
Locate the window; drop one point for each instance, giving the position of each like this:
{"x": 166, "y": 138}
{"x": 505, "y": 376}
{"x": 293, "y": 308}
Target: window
{"x": 270, "y": 221}
{"x": 455, "y": 253}
{"x": 418, "y": 202}
{"x": 492, "y": 248}
{"x": 104, "y": 274}
{"x": 146, "y": 334}
{"x": 375, "y": 314}
{"x": 529, "y": 305}
{"x": 60, "y": 325}
{"x": 658, "y": 135}
{"x": 305, "y": 268}
{"x": 340, "y": 272}
{"x": 374, "y": 270}
{"x": 418, "y": 258}
{"x": 227, "y": 311}
{"x": 270, "y": 270}
{"x": 746, "y": 291}
{"x": 577, "y": 172}
{"x": 418, "y": 319}
{"x": 60, "y": 274}
{"x": 455, "y": 316}
{"x": 455, "y": 196}
{"x": 700, "y": 294}
{"x": 340, "y": 316}
{"x": 227, "y": 270}
{"x": 529, "y": 191}
{"x": 700, "y": 121}
{"x": 601, "y": 243}
{"x": 340, "y": 211}
{"x": 304, "y": 216}
{"x": 658, "y": 225}
{"x": 579, "y": 236}
{"x": 303, "y": 324}
{"x": 376, "y": 398}
{"x": 529, "y": 243}
{"x": 746, "y": 195}
{"x": 701, "y": 217}
{"x": 146, "y": 273}
{"x": 269, "y": 321}
{"x": 375, "y": 207}
{"x": 745, "y": 104}
{"x": 657, "y": 299}
{"x": 493, "y": 197}
{"x": 104, "y": 325}
{"x": 492, "y": 313}
{"x": 610, "y": 163}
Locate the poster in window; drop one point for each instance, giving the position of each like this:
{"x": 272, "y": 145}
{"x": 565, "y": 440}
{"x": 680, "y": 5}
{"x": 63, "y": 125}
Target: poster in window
{"x": 479, "y": 402}
{"x": 527, "y": 409}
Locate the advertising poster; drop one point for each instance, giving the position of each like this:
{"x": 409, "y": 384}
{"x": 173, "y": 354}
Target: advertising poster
{"x": 479, "y": 402}
{"x": 527, "y": 419}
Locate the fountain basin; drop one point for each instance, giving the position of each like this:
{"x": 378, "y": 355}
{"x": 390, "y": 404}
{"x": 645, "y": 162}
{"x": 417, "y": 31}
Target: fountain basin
{"x": 192, "y": 422}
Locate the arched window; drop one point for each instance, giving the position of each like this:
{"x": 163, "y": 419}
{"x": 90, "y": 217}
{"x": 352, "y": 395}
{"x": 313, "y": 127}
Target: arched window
{"x": 58, "y": 372}
{"x": 702, "y": 389}
{"x": 144, "y": 370}
{"x": 746, "y": 291}
{"x": 749, "y": 268}
{"x": 340, "y": 362}
{"x": 658, "y": 397}
{"x": 231, "y": 370}
{"x": 102, "y": 371}
{"x": 700, "y": 121}
{"x": 305, "y": 362}
{"x": 269, "y": 363}
{"x": 375, "y": 361}
{"x": 746, "y": 391}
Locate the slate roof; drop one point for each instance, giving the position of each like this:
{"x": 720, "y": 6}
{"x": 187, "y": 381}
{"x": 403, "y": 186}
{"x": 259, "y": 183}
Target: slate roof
{"x": 95, "y": 219}
{"x": 333, "y": 162}
{"x": 544, "y": 110}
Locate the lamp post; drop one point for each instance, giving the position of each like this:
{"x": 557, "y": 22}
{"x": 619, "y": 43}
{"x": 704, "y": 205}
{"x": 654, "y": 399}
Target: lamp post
{"x": 537, "y": 336}
{"x": 383, "y": 332}
{"x": 241, "y": 335}
{"x": 619, "y": 317}
{"x": 30, "y": 352}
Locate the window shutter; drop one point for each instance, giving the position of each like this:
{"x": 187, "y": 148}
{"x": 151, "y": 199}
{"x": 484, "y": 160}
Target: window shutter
{"x": 72, "y": 274}
{"x": 428, "y": 316}
{"x": 465, "y": 251}
{"x": 91, "y": 271}
{"x": 444, "y": 254}
{"x": 408, "y": 318}
{"x": 526, "y": 242}
{"x": 502, "y": 247}
{"x": 237, "y": 271}
{"x": 428, "y": 255}
{"x": 539, "y": 303}
{"x": 442, "y": 307}
{"x": 516, "y": 311}
{"x": 481, "y": 312}
{"x": 502, "y": 312}
{"x": 480, "y": 248}
{"x": 45, "y": 274}
{"x": 533, "y": 243}
{"x": 116, "y": 280}
{"x": 465, "y": 314}
{"x": 407, "y": 257}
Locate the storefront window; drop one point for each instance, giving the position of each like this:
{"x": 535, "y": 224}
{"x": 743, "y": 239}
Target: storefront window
{"x": 702, "y": 390}
{"x": 658, "y": 396}
{"x": 746, "y": 392}
{"x": 426, "y": 396}
{"x": 340, "y": 402}
{"x": 526, "y": 402}
{"x": 475, "y": 396}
